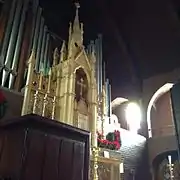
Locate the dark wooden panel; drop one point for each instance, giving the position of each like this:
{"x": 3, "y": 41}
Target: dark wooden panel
{"x": 50, "y": 169}
{"x": 65, "y": 159}
{"x": 41, "y": 149}
{"x": 78, "y": 161}
{"x": 11, "y": 157}
{"x": 35, "y": 156}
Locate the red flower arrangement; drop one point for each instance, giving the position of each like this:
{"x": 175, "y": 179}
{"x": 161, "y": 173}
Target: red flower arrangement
{"x": 112, "y": 141}
{"x": 2, "y": 104}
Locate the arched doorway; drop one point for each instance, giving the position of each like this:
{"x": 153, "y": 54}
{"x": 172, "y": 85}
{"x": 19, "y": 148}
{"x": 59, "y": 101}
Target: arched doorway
{"x": 166, "y": 166}
{"x": 159, "y": 112}
{"x": 118, "y": 106}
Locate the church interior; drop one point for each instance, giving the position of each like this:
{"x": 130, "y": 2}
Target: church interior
{"x": 66, "y": 81}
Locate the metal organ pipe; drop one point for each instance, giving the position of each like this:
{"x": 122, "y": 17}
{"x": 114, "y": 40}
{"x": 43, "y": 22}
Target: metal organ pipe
{"x": 35, "y": 18}
{"x": 46, "y": 53}
{"x": 48, "y": 65}
{"x": 104, "y": 73}
{"x": 5, "y": 43}
{"x": 36, "y": 32}
{"x": 13, "y": 38}
{"x": 18, "y": 45}
{"x": 107, "y": 98}
{"x": 39, "y": 45}
{"x": 100, "y": 62}
{"x": 110, "y": 109}
{"x": 43, "y": 47}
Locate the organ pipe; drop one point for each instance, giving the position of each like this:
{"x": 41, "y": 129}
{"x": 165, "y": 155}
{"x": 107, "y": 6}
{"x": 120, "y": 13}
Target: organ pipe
{"x": 104, "y": 73}
{"x": 18, "y": 45}
{"x": 42, "y": 55}
{"x": 39, "y": 45}
{"x": 107, "y": 97}
{"x": 100, "y": 62}
{"x": 110, "y": 109}
{"x": 13, "y": 38}
{"x": 46, "y": 53}
{"x": 35, "y": 18}
{"x": 36, "y": 32}
{"x": 7, "y": 34}
{"x": 97, "y": 64}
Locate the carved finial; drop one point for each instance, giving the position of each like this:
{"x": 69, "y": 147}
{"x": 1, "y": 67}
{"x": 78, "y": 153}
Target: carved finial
{"x": 63, "y": 47}
{"x": 31, "y": 58}
{"x": 55, "y": 57}
{"x": 76, "y": 25}
{"x": 50, "y": 72}
{"x": 70, "y": 29}
{"x": 93, "y": 52}
{"x": 63, "y": 51}
{"x": 77, "y": 5}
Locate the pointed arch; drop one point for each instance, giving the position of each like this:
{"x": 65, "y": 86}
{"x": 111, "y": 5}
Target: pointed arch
{"x": 161, "y": 91}
{"x": 85, "y": 71}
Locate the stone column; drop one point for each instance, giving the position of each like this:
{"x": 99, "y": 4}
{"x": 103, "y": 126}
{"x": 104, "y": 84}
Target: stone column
{"x": 70, "y": 99}
{"x": 61, "y": 96}
{"x": 64, "y": 92}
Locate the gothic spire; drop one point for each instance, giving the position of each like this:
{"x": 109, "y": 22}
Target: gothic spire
{"x": 76, "y": 25}
{"x": 77, "y": 30}
{"x": 75, "y": 34}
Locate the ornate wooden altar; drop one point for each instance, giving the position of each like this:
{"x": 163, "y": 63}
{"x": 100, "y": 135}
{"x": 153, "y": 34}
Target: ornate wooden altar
{"x": 36, "y": 148}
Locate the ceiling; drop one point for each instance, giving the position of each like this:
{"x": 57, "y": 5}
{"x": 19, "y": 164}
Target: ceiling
{"x": 140, "y": 37}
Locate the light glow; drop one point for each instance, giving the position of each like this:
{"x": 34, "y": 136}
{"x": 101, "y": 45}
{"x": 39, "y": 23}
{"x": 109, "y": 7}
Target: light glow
{"x": 133, "y": 116}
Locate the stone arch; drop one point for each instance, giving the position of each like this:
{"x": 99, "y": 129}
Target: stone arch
{"x": 160, "y": 159}
{"x": 161, "y": 91}
{"x": 86, "y": 72}
{"x": 118, "y": 106}
{"x": 118, "y": 101}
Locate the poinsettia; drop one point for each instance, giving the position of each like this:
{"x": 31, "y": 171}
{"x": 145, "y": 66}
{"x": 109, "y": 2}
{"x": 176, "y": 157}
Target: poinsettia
{"x": 112, "y": 141}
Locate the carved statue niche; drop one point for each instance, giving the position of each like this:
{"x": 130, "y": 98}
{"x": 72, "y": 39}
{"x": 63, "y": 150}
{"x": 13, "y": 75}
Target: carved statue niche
{"x": 81, "y": 98}
{"x": 81, "y": 86}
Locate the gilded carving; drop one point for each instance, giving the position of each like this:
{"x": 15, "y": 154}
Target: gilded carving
{"x": 69, "y": 92}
